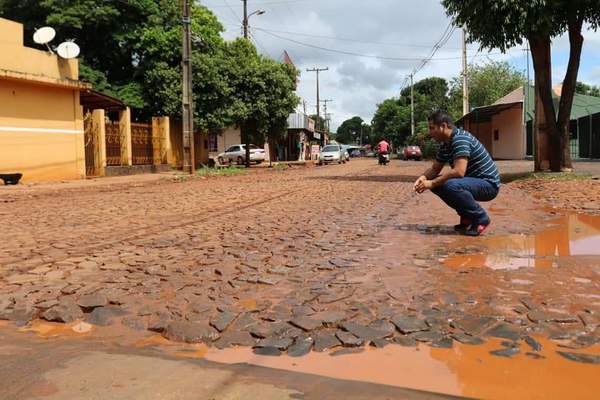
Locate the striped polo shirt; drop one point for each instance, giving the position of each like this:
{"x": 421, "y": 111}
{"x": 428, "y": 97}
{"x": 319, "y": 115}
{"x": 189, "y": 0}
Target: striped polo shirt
{"x": 463, "y": 144}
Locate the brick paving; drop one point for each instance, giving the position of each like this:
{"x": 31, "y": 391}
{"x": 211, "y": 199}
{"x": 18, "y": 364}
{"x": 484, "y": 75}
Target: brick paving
{"x": 308, "y": 258}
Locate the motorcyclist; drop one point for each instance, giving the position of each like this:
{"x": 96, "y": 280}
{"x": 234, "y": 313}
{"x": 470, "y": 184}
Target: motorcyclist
{"x": 383, "y": 147}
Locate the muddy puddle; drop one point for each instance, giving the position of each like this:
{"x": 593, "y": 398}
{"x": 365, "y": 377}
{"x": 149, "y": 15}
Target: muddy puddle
{"x": 567, "y": 236}
{"x": 463, "y": 370}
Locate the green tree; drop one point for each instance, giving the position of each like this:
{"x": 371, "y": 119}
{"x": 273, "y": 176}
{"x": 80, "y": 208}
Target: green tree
{"x": 353, "y": 131}
{"x": 503, "y": 24}
{"x": 392, "y": 119}
{"x": 487, "y": 83}
{"x": 588, "y": 90}
{"x": 132, "y": 50}
{"x": 260, "y": 93}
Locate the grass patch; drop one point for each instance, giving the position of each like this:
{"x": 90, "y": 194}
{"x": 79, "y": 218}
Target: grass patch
{"x": 281, "y": 167}
{"x": 546, "y": 176}
{"x": 228, "y": 171}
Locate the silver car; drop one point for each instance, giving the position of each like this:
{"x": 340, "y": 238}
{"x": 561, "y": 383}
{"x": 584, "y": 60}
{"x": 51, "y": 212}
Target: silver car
{"x": 237, "y": 154}
{"x": 332, "y": 153}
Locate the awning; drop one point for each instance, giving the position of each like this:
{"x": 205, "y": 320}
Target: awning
{"x": 92, "y": 99}
{"x": 485, "y": 114}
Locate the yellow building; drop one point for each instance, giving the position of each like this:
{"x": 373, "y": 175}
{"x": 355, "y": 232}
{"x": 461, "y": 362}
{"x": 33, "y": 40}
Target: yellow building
{"x": 41, "y": 119}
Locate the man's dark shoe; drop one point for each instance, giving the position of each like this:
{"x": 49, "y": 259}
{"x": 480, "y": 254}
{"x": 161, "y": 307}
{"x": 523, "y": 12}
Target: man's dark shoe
{"x": 463, "y": 226}
{"x": 477, "y": 229}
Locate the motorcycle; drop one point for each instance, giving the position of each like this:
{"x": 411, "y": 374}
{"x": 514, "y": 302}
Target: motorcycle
{"x": 384, "y": 158}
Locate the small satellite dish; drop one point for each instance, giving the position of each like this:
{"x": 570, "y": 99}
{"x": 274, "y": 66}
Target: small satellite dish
{"x": 44, "y": 35}
{"x": 68, "y": 50}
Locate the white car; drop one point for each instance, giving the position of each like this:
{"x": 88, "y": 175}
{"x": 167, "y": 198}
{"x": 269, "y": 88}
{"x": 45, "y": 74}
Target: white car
{"x": 332, "y": 153}
{"x": 237, "y": 154}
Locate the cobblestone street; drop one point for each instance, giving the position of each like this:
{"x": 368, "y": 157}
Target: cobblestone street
{"x": 323, "y": 259}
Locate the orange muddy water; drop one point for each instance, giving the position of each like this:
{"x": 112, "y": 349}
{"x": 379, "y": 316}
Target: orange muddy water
{"x": 569, "y": 235}
{"x": 463, "y": 370}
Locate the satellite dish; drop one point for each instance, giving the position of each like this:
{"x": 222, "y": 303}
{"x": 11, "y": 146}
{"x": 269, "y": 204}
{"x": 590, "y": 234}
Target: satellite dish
{"x": 44, "y": 35}
{"x": 68, "y": 50}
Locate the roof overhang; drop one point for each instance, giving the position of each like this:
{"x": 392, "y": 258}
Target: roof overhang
{"x": 43, "y": 80}
{"x": 485, "y": 114}
{"x": 92, "y": 99}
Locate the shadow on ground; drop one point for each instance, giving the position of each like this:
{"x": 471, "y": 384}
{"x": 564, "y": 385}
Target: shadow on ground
{"x": 371, "y": 178}
{"x": 437, "y": 230}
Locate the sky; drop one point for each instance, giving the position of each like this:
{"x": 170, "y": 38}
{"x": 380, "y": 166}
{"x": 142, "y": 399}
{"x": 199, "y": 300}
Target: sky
{"x": 376, "y": 44}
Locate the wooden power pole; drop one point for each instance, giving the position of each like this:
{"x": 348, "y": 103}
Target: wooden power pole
{"x": 318, "y": 123}
{"x": 187, "y": 100}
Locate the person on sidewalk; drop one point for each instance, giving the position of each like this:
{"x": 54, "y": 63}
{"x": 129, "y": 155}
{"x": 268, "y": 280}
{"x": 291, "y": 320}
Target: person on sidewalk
{"x": 473, "y": 176}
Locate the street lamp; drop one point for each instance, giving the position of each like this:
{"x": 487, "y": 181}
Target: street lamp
{"x": 245, "y": 22}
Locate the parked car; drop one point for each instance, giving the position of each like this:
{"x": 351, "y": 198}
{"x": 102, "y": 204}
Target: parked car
{"x": 371, "y": 154}
{"x": 237, "y": 154}
{"x": 332, "y": 153}
{"x": 412, "y": 152}
{"x": 355, "y": 153}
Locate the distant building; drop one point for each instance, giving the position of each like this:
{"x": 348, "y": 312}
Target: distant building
{"x": 505, "y": 128}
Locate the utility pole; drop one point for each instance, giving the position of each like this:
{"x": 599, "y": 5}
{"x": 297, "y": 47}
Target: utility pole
{"x": 245, "y": 21}
{"x": 465, "y": 75}
{"x": 244, "y": 127}
{"x": 187, "y": 101}
{"x": 412, "y": 105}
{"x": 325, "y": 114}
{"x": 361, "y": 134}
{"x": 318, "y": 70}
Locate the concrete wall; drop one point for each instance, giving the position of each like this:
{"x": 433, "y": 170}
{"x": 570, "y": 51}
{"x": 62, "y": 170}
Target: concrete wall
{"x": 510, "y": 144}
{"x": 228, "y": 138}
{"x": 41, "y": 120}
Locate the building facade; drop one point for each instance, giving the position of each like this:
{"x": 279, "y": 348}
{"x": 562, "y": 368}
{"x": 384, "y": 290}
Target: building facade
{"x": 41, "y": 119}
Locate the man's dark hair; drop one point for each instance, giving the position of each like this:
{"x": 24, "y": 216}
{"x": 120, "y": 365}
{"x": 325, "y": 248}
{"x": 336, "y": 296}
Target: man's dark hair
{"x": 439, "y": 117}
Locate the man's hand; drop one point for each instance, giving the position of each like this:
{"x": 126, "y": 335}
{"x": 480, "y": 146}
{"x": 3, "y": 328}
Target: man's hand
{"x": 423, "y": 184}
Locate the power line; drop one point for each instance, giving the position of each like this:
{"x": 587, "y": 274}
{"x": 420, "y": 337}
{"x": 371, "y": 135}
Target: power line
{"x": 232, "y": 11}
{"x": 267, "y": 3}
{"x": 344, "y": 39}
{"x": 260, "y": 45}
{"x": 350, "y": 53}
{"x": 448, "y": 32}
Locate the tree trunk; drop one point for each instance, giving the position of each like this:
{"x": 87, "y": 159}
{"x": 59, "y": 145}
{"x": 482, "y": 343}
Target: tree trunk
{"x": 568, "y": 90}
{"x": 547, "y": 146}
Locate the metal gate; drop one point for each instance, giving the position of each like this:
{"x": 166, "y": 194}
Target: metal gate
{"x": 113, "y": 143}
{"x": 91, "y": 146}
{"x": 141, "y": 144}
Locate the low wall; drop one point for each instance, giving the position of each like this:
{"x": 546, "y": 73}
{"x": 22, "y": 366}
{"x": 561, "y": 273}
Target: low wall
{"x": 135, "y": 169}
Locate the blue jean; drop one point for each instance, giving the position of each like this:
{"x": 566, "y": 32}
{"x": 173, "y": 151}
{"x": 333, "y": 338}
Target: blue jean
{"x": 463, "y": 194}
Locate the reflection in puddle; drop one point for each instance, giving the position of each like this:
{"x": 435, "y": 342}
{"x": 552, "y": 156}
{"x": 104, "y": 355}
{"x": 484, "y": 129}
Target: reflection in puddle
{"x": 54, "y": 329}
{"x": 463, "y": 370}
{"x": 572, "y": 235}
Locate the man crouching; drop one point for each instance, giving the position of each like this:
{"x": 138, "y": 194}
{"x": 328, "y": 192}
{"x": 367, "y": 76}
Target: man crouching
{"x": 473, "y": 175}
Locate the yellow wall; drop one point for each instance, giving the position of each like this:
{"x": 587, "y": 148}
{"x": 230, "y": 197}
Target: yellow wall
{"x": 41, "y": 132}
{"x": 41, "y": 120}
{"x": 16, "y": 58}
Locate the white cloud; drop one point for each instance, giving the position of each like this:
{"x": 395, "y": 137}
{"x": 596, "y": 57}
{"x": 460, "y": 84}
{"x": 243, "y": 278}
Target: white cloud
{"x": 386, "y": 28}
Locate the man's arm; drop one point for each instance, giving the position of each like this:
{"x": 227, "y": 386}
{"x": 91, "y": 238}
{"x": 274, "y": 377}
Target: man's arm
{"x": 429, "y": 174}
{"x": 433, "y": 171}
{"x": 458, "y": 171}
